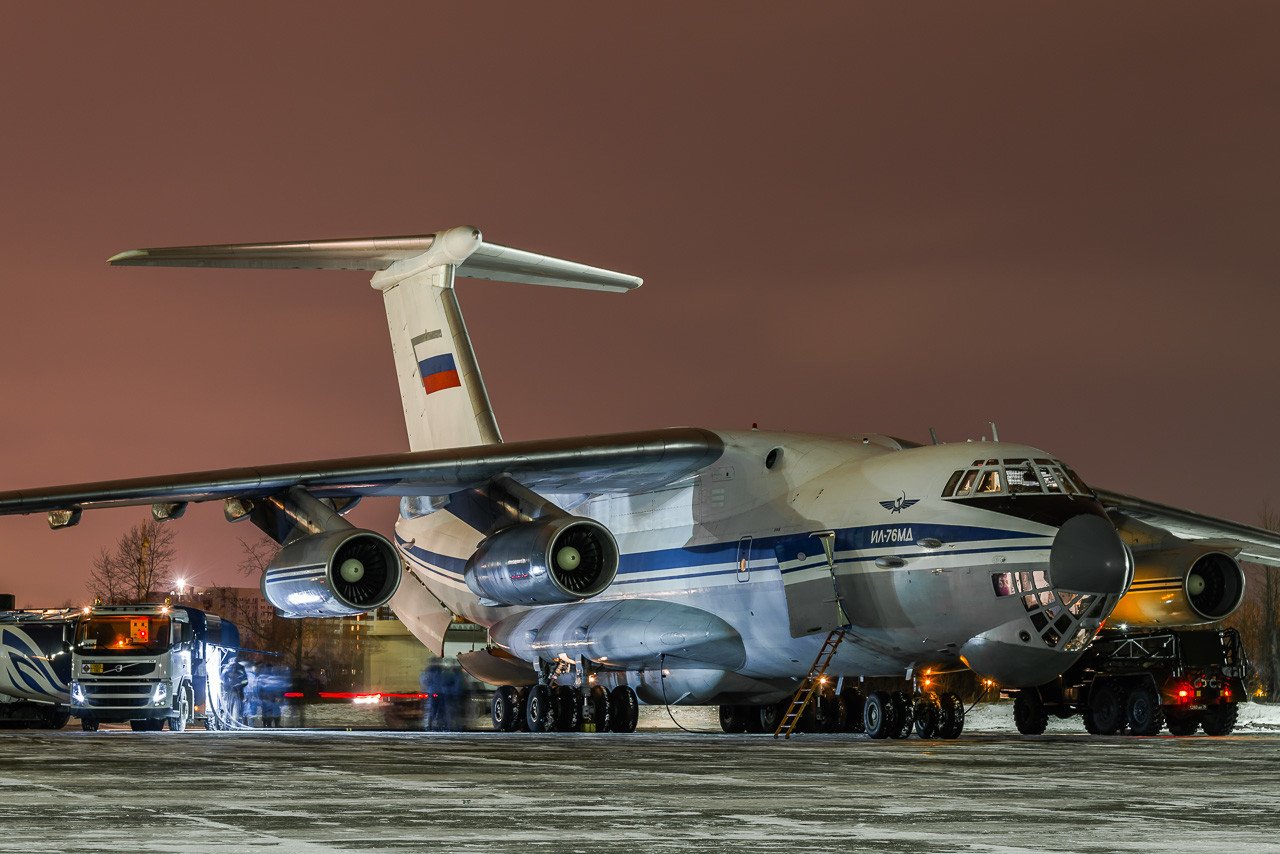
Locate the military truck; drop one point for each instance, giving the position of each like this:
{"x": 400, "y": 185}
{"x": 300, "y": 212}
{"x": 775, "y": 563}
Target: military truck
{"x": 1140, "y": 682}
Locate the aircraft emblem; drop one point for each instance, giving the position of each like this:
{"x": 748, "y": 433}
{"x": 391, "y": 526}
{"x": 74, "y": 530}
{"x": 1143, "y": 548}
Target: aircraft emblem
{"x": 899, "y": 504}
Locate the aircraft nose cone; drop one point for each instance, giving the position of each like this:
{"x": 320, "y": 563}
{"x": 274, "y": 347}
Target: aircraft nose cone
{"x": 1088, "y": 557}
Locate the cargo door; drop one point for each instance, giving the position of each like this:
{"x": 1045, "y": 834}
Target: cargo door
{"x": 807, "y": 563}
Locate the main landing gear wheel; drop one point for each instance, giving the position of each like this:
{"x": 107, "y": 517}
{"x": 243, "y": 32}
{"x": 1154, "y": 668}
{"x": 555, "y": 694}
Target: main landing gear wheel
{"x": 733, "y": 719}
{"x": 879, "y": 715}
{"x": 1105, "y": 713}
{"x": 89, "y": 725}
{"x": 504, "y": 709}
{"x": 951, "y": 719}
{"x": 624, "y": 709}
{"x": 568, "y": 703}
{"x": 902, "y": 707}
{"x": 598, "y": 702}
{"x": 927, "y": 714}
{"x": 767, "y": 716}
{"x": 1143, "y": 711}
{"x": 1029, "y": 714}
{"x": 853, "y": 706}
{"x": 539, "y": 709}
{"x": 1220, "y": 720}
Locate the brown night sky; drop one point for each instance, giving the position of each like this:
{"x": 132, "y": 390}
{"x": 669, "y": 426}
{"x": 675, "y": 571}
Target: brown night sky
{"x": 849, "y": 217}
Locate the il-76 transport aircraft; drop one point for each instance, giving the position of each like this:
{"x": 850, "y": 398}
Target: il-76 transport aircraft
{"x": 687, "y": 566}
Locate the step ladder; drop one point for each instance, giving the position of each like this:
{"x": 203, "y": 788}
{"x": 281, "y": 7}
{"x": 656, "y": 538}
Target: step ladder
{"x": 804, "y": 695}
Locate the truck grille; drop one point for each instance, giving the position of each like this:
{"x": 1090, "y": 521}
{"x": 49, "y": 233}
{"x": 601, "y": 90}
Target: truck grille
{"x": 117, "y": 695}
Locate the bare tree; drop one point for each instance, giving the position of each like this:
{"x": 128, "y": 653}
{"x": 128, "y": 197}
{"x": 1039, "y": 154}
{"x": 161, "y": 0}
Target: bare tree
{"x": 140, "y": 563}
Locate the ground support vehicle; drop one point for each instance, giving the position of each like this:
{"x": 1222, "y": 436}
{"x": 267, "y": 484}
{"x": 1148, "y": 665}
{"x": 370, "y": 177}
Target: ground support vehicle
{"x": 1139, "y": 682}
{"x": 35, "y": 667}
{"x": 154, "y": 664}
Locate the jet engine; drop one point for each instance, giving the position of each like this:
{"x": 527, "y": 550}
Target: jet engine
{"x": 333, "y": 574}
{"x": 1183, "y": 586}
{"x": 546, "y": 561}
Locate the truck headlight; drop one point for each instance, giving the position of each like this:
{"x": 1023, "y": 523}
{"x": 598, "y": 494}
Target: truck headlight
{"x": 160, "y": 696}
{"x": 77, "y": 693}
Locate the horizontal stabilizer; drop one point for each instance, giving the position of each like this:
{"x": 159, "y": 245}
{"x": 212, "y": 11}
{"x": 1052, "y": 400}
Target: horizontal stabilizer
{"x": 463, "y": 246}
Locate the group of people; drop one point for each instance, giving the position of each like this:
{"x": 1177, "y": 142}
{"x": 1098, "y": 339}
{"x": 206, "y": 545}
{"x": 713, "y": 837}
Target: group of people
{"x": 446, "y": 696}
{"x": 254, "y": 693}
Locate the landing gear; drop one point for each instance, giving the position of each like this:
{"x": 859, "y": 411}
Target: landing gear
{"x": 1105, "y": 714}
{"x": 768, "y": 715}
{"x": 879, "y": 715}
{"x": 1220, "y": 719}
{"x": 1143, "y": 712}
{"x": 902, "y": 709}
{"x": 853, "y": 707}
{"x": 624, "y": 709}
{"x": 598, "y": 703}
{"x": 568, "y": 702}
{"x": 539, "y": 709}
{"x": 1029, "y": 714}
{"x": 951, "y": 719}
{"x": 733, "y": 719}
{"x": 504, "y": 709}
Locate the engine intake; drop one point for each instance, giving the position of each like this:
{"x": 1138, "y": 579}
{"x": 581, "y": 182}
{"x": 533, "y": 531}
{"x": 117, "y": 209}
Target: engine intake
{"x": 544, "y": 562}
{"x": 333, "y": 574}
{"x": 1184, "y": 586}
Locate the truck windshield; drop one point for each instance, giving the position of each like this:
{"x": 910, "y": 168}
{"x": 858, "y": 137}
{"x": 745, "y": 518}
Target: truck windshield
{"x": 125, "y": 634}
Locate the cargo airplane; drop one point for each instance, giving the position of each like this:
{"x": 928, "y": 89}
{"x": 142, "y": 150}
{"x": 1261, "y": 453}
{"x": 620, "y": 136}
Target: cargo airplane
{"x": 688, "y": 566}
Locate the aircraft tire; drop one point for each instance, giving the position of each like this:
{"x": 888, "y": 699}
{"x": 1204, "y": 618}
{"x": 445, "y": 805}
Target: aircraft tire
{"x": 1105, "y": 715}
{"x": 1143, "y": 711}
{"x": 879, "y": 715}
{"x": 927, "y": 716}
{"x": 1220, "y": 719}
{"x": 951, "y": 721}
{"x": 598, "y": 700}
{"x": 503, "y": 709}
{"x": 902, "y": 707}
{"x": 1029, "y": 714}
{"x": 624, "y": 713}
{"x": 522, "y": 705}
{"x": 89, "y": 724}
{"x": 540, "y": 710}
{"x": 753, "y": 715}
{"x": 1182, "y": 723}
{"x": 568, "y": 703}
{"x": 853, "y": 705}
{"x": 733, "y": 719}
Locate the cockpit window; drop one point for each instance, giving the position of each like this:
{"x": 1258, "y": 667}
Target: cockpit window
{"x": 1015, "y": 477}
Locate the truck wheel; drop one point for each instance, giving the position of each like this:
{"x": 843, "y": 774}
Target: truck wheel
{"x": 503, "y": 709}
{"x": 89, "y": 725}
{"x": 951, "y": 722}
{"x": 1183, "y": 723}
{"x": 1105, "y": 715}
{"x": 879, "y": 717}
{"x": 138, "y": 726}
{"x": 1029, "y": 714}
{"x": 1220, "y": 719}
{"x": 1144, "y": 713}
{"x": 55, "y": 718}
{"x": 928, "y": 714}
{"x": 179, "y": 723}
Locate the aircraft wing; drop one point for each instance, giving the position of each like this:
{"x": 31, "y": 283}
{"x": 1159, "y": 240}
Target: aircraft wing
{"x": 1256, "y": 544}
{"x": 597, "y": 464}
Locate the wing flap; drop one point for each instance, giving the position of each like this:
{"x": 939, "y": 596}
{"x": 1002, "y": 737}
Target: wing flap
{"x": 1256, "y": 544}
{"x": 597, "y": 464}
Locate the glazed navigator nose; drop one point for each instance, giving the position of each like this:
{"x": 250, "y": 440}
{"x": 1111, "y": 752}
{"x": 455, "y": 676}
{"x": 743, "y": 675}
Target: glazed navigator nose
{"x": 1088, "y": 557}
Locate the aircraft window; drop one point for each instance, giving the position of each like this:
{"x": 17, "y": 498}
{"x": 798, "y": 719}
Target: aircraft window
{"x": 1046, "y": 599}
{"x": 1063, "y": 623}
{"x": 1030, "y": 603}
{"x": 966, "y": 485}
{"x": 1051, "y": 637}
{"x": 1097, "y": 609}
{"x": 1079, "y": 642}
{"x": 1081, "y": 486}
{"x": 1039, "y": 620}
{"x": 1052, "y": 480}
{"x": 1043, "y": 462}
{"x": 990, "y": 482}
{"x": 950, "y": 488}
{"x": 1041, "y": 580}
{"x": 1003, "y": 583}
{"x": 1077, "y": 607}
{"x": 1022, "y": 477}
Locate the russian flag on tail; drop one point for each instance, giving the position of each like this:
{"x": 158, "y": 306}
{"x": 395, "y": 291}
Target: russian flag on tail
{"x": 439, "y": 372}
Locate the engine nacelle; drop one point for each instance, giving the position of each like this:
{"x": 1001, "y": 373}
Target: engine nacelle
{"x": 544, "y": 562}
{"x": 333, "y": 574}
{"x": 1185, "y": 586}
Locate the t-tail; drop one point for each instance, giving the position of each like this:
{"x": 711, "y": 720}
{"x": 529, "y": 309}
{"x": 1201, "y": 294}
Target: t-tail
{"x": 441, "y": 389}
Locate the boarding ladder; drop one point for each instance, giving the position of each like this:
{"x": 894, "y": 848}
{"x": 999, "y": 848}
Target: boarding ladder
{"x": 812, "y": 683}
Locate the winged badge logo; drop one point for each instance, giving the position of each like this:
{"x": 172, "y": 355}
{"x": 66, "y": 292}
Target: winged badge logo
{"x": 899, "y": 504}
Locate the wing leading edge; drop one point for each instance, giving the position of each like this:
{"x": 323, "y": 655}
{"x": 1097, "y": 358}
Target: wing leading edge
{"x": 1256, "y": 544}
{"x": 596, "y": 464}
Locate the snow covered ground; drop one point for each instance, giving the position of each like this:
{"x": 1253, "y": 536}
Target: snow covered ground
{"x": 663, "y": 791}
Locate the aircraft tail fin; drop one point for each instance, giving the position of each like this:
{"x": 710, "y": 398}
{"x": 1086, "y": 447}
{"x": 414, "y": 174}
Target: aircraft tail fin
{"x": 443, "y": 395}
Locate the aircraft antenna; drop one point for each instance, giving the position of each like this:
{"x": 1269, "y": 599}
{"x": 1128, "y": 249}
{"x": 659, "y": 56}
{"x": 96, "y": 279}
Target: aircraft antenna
{"x": 933, "y": 434}
{"x": 995, "y": 434}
